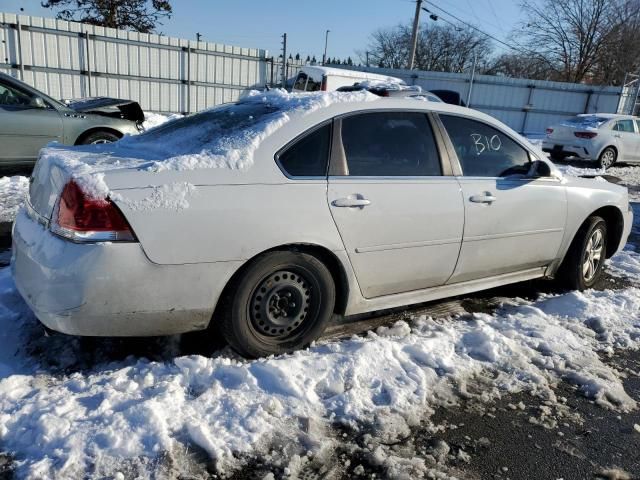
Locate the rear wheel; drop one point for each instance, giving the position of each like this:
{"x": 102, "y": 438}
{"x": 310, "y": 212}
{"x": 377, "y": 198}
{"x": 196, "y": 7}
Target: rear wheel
{"x": 281, "y": 303}
{"x": 608, "y": 157}
{"x": 99, "y": 137}
{"x": 584, "y": 263}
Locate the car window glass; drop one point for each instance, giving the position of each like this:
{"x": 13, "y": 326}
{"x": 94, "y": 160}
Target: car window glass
{"x": 308, "y": 156}
{"x": 625, "y": 126}
{"x": 300, "y": 81}
{"x": 484, "y": 151}
{"x": 9, "y": 96}
{"x": 638, "y": 125}
{"x": 390, "y": 144}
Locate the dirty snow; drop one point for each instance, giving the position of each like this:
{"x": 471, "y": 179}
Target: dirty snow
{"x": 61, "y": 418}
{"x": 12, "y": 193}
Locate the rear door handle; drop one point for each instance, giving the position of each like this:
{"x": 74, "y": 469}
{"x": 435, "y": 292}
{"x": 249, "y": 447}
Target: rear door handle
{"x": 484, "y": 198}
{"x": 351, "y": 202}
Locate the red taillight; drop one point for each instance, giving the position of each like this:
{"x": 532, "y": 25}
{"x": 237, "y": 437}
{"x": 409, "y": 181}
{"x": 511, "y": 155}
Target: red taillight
{"x": 323, "y": 85}
{"x": 585, "y": 134}
{"x": 549, "y": 131}
{"x": 82, "y": 218}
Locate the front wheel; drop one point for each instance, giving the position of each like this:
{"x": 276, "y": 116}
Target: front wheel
{"x": 608, "y": 157}
{"x": 584, "y": 263}
{"x": 281, "y": 303}
{"x": 99, "y": 137}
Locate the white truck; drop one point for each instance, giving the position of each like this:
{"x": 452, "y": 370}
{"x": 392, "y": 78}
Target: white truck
{"x": 313, "y": 79}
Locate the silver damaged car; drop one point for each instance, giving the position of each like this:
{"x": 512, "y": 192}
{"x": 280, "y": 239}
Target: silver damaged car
{"x": 351, "y": 206}
{"x": 29, "y": 120}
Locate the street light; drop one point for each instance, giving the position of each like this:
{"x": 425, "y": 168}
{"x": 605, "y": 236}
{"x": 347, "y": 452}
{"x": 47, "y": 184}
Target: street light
{"x": 326, "y": 41}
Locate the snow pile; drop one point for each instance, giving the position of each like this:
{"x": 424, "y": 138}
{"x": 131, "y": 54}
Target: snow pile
{"x": 226, "y": 136}
{"x": 13, "y": 191}
{"x": 153, "y": 119}
{"x": 89, "y": 421}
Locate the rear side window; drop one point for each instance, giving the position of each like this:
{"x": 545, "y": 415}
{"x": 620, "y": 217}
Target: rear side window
{"x": 389, "y": 144}
{"x": 624, "y": 126}
{"x": 309, "y": 155}
{"x": 484, "y": 151}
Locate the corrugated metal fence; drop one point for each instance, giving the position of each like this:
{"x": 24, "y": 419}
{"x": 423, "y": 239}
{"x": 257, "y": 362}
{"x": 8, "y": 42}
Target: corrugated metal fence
{"x": 527, "y": 106}
{"x": 165, "y": 74}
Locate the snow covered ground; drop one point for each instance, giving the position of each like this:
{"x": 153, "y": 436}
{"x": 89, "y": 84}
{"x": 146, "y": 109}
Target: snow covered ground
{"x": 12, "y": 192}
{"x": 69, "y": 411}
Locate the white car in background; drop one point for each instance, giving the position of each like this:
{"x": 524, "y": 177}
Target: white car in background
{"x": 601, "y": 137}
{"x": 266, "y": 217}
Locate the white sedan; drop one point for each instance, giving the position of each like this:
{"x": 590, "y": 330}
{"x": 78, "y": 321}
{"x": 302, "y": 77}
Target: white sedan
{"x": 261, "y": 219}
{"x": 602, "y": 137}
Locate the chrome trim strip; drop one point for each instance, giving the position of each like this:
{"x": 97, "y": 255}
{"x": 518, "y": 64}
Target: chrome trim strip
{"x": 398, "y": 246}
{"x": 478, "y": 238}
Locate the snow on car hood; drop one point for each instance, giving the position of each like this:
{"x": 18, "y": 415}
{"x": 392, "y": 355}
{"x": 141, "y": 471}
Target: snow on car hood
{"x": 226, "y": 136}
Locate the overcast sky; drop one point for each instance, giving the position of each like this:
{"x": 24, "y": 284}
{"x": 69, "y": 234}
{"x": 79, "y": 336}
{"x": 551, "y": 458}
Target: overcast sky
{"x": 254, "y": 23}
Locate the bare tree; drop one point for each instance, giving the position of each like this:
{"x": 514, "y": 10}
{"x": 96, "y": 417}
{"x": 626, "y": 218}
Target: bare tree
{"x": 520, "y": 65}
{"x": 138, "y": 15}
{"x": 570, "y": 34}
{"x": 621, "y": 53}
{"x": 440, "y": 48}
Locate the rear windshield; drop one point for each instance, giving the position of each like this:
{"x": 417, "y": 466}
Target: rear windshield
{"x": 587, "y": 121}
{"x": 215, "y": 131}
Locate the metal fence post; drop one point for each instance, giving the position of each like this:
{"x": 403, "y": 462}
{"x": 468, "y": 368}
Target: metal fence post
{"x": 19, "y": 43}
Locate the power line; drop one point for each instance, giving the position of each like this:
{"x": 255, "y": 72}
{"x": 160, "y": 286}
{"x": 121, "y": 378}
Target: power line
{"x": 518, "y": 49}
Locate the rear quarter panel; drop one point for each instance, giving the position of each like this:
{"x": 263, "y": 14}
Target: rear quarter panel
{"x": 213, "y": 223}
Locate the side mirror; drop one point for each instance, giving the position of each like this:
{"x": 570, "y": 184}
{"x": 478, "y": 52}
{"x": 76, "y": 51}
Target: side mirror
{"x": 37, "y": 102}
{"x": 539, "y": 169}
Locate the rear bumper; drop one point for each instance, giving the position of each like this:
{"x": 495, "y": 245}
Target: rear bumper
{"x": 568, "y": 149}
{"x": 110, "y": 289}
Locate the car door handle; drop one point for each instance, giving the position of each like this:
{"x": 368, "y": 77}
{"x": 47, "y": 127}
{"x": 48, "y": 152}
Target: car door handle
{"x": 351, "y": 202}
{"x": 484, "y": 198}
{"x": 617, "y": 135}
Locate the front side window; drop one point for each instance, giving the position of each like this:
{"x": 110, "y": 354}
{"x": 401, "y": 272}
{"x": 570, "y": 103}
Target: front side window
{"x": 309, "y": 155}
{"x": 389, "y": 144}
{"x": 624, "y": 126}
{"x": 12, "y": 97}
{"x": 484, "y": 151}
{"x": 638, "y": 125}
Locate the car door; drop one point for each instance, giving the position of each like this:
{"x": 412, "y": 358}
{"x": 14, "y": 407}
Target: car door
{"x": 399, "y": 217}
{"x": 628, "y": 140}
{"x": 513, "y": 222}
{"x": 25, "y": 124}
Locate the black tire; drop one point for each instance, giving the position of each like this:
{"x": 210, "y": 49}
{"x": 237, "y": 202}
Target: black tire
{"x": 281, "y": 303}
{"x": 608, "y": 157}
{"x": 557, "y": 157}
{"x": 572, "y": 272}
{"x": 99, "y": 137}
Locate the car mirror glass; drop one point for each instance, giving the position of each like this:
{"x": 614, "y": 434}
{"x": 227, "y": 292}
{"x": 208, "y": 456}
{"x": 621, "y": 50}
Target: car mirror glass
{"x": 37, "y": 102}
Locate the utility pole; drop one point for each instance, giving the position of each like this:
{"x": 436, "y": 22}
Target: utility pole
{"x": 284, "y": 60}
{"x": 326, "y": 41}
{"x": 367, "y": 59}
{"x": 414, "y": 34}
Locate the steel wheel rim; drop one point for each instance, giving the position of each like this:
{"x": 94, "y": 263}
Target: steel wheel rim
{"x": 608, "y": 158}
{"x": 593, "y": 255}
{"x": 283, "y": 305}
{"x": 100, "y": 141}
